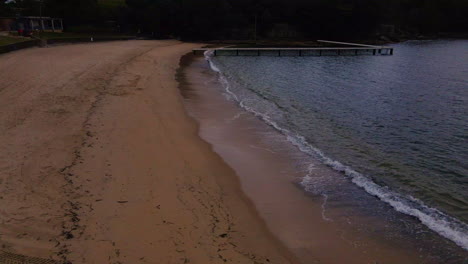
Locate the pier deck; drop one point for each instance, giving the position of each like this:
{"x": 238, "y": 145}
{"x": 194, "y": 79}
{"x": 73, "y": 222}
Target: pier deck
{"x": 353, "y": 49}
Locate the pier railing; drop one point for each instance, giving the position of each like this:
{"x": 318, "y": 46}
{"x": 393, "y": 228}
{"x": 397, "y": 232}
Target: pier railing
{"x": 351, "y": 49}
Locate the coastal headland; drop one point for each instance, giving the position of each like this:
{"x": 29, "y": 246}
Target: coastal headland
{"x": 99, "y": 163}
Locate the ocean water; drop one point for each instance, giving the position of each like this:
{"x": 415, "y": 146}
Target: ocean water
{"x": 394, "y": 126}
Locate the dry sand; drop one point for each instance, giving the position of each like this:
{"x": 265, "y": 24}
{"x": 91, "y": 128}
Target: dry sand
{"x": 99, "y": 163}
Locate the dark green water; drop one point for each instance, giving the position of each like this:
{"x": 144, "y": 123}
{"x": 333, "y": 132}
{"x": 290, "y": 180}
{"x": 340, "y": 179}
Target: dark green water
{"x": 396, "y": 126}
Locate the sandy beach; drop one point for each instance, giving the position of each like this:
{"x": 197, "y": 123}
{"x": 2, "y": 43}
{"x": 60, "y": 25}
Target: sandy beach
{"x": 99, "y": 163}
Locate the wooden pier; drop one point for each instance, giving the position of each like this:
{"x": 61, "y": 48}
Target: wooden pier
{"x": 349, "y": 49}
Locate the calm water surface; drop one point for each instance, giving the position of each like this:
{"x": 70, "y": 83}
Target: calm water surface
{"x": 396, "y": 126}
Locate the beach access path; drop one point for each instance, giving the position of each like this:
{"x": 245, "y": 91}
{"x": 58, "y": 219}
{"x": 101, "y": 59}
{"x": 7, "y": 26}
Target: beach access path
{"x": 99, "y": 163}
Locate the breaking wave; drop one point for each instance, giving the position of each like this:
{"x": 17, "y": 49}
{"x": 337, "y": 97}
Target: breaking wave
{"x": 434, "y": 219}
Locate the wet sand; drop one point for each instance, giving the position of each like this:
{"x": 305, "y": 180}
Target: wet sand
{"x": 99, "y": 163}
{"x": 271, "y": 169}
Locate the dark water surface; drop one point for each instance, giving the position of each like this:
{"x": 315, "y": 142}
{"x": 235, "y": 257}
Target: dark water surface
{"x": 396, "y": 126}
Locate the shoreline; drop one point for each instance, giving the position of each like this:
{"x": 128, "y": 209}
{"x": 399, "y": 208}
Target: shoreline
{"x": 204, "y": 102}
{"x": 103, "y": 164}
{"x": 236, "y": 183}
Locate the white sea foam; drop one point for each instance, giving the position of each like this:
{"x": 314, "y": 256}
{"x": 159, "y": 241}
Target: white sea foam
{"x": 314, "y": 185}
{"x": 436, "y": 220}
{"x": 234, "y": 118}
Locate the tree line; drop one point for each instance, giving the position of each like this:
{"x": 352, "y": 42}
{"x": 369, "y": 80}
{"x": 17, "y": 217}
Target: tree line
{"x": 242, "y": 19}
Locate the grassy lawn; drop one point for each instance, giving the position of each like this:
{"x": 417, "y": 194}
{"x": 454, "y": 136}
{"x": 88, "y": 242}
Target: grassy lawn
{"x": 7, "y": 40}
{"x": 65, "y": 35}
{"x": 55, "y": 35}
{"x": 4, "y": 40}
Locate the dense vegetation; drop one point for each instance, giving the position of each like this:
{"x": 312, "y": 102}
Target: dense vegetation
{"x": 235, "y": 19}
